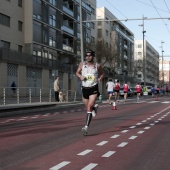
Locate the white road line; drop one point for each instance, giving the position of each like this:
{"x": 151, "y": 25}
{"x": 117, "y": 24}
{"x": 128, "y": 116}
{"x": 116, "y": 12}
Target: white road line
{"x": 108, "y": 154}
{"x": 156, "y": 121}
{"x": 102, "y": 143}
{"x": 122, "y": 144}
{"x": 140, "y": 132}
{"x": 20, "y": 119}
{"x": 90, "y": 166}
{"x": 166, "y": 102}
{"x": 133, "y": 137}
{"x": 132, "y": 127}
{"x": 85, "y": 152}
{"x": 148, "y": 118}
{"x": 159, "y": 119}
{"x": 153, "y": 102}
{"x": 114, "y": 136}
{"x": 138, "y": 123}
{"x": 152, "y": 124}
{"x": 147, "y": 127}
{"x": 47, "y": 114}
{"x": 144, "y": 121}
{"x": 124, "y": 131}
{"x": 60, "y": 165}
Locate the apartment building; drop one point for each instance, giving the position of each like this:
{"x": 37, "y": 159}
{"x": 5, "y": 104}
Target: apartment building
{"x": 164, "y": 72}
{"x": 146, "y": 63}
{"x": 116, "y": 47}
{"x": 40, "y": 39}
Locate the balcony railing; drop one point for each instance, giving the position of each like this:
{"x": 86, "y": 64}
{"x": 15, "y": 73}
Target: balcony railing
{"x": 67, "y": 29}
{"x": 68, "y": 11}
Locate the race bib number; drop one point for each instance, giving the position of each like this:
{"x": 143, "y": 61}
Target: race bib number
{"x": 90, "y": 78}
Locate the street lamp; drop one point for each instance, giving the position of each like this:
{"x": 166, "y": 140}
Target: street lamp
{"x": 81, "y": 32}
{"x": 144, "y": 57}
{"x": 162, "y": 64}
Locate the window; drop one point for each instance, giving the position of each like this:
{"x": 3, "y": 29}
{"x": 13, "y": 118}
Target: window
{"x": 92, "y": 39}
{"x": 52, "y": 42}
{"x": 53, "y": 2}
{"x": 99, "y": 33}
{"x": 92, "y": 10}
{"x": 106, "y": 20}
{"x": 20, "y": 3}
{"x": 99, "y": 22}
{"x": 19, "y": 25}
{"x": 139, "y": 45}
{"x": 4, "y": 20}
{"x": 139, "y": 76}
{"x": 107, "y": 33}
{"x": 92, "y": 25}
{"x": 19, "y": 48}
{"x": 5, "y": 44}
{"x": 52, "y": 20}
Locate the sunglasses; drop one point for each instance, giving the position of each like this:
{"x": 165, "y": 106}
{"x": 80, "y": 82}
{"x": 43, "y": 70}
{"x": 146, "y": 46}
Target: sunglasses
{"x": 88, "y": 55}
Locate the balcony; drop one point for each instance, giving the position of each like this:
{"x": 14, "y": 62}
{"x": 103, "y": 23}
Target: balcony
{"x": 68, "y": 48}
{"x": 68, "y": 11}
{"x": 125, "y": 57}
{"x": 67, "y": 29}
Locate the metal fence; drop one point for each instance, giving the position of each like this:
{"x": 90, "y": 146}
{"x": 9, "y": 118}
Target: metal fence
{"x": 31, "y": 95}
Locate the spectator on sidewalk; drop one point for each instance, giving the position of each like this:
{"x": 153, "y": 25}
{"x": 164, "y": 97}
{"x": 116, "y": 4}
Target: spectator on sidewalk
{"x": 13, "y": 87}
{"x": 56, "y": 89}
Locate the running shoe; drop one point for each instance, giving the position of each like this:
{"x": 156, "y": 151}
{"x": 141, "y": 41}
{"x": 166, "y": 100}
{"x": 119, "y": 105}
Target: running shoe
{"x": 84, "y": 130}
{"x": 94, "y": 111}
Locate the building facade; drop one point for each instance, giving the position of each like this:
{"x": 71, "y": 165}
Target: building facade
{"x": 118, "y": 47}
{"x": 40, "y": 39}
{"x": 164, "y": 72}
{"x": 146, "y": 63}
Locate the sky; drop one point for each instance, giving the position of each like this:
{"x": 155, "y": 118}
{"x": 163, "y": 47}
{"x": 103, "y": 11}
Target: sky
{"x": 157, "y": 31}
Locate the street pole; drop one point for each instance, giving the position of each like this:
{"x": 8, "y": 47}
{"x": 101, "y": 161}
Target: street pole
{"x": 162, "y": 64}
{"x": 81, "y": 32}
{"x": 144, "y": 57}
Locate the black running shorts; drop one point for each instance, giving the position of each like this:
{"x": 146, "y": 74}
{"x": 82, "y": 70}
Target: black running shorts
{"x": 88, "y": 91}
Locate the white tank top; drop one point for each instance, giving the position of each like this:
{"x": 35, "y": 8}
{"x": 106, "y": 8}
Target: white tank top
{"x": 91, "y": 74}
{"x": 110, "y": 86}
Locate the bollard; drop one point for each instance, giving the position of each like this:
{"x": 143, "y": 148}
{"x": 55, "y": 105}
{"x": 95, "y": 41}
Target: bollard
{"x": 100, "y": 98}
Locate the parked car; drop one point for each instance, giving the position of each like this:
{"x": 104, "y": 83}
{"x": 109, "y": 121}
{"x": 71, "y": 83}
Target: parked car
{"x": 130, "y": 92}
{"x": 134, "y": 90}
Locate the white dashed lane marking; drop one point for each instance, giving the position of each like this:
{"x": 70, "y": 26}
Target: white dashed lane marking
{"x": 140, "y": 132}
{"x": 102, "y": 143}
{"x": 108, "y": 154}
{"x": 138, "y": 123}
{"x": 122, "y": 144}
{"x": 132, "y": 127}
{"x": 90, "y": 166}
{"x": 133, "y": 137}
{"x": 85, "y": 152}
{"x": 124, "y": 131}
{"x": 147, "y": 127}
{"x": 60, "y": 165}
{"x": 114, "y": 136}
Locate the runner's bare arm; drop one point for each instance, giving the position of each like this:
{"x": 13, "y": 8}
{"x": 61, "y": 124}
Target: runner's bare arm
{"x": 78, "y": 72}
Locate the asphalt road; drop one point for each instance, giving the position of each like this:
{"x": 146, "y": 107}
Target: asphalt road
{"x": 133, "y": 137}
